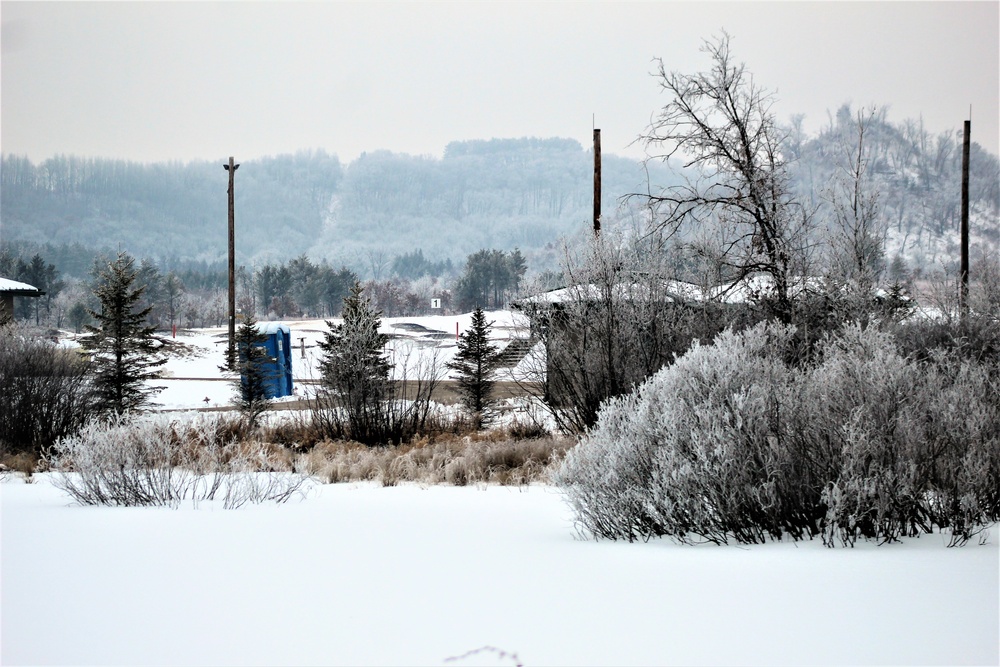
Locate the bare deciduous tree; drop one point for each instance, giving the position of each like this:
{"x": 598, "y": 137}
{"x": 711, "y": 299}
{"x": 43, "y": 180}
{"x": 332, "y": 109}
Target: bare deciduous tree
{"x": 44, "y": 391}
{"x": 720, "y": 126}
{"x": 859, "y": 230}
{"x": 620, "y": 319}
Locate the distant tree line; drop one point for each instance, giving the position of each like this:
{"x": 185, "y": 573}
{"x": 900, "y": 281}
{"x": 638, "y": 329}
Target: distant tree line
{"x": 502, "y": 193}
{"x": 498, "y": 194}
{"x": 490, "y": 280}
{"x": 301, "y": 288}
{"x": 168, "y": 209}
{"x": 413, "y": 265}
{"x": 194, "y": 294}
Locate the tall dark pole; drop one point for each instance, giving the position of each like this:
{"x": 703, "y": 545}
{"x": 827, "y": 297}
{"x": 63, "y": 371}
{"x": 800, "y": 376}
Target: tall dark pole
{"x": 963, "y": 298}
{"x": 231, "y": 350}
{"x": 597, "y": 182}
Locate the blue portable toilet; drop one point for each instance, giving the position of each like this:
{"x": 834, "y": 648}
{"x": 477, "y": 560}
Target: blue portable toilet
{"x": 279, "y": 349}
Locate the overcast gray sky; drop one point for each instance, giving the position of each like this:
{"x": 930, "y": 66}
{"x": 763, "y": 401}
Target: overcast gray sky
{"x": 188, "y": 80}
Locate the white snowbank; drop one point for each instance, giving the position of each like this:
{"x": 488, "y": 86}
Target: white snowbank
{"x": 357, "y": 574}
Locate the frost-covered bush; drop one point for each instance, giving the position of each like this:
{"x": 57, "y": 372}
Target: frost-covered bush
{"x": 732, "y": 442}
{"x": 961, "y": 460}
{"x": 861, "y": 417}
{"x": 155, "y": 461}
{"x": 918, "y": 442}
{"x": 698, "y": 451}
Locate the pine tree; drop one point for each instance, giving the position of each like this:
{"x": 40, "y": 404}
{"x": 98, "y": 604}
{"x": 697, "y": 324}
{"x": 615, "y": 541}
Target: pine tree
{"x": 123, "y": 351}
{"x": 77, "y": 316}
{"x": 251, "y": 389}
{"x": 476, "y": 362}
{"x": 355, "y": 370}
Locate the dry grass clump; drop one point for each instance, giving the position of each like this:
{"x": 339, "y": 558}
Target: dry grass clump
{"x": 227, "y": 438}
{"x": 487, "y": 458}
{"x": 25, "y": 463}
{"x": 299, "y": 432}
{"x": 451, "y": 451}
{"x": 157, "y": 461}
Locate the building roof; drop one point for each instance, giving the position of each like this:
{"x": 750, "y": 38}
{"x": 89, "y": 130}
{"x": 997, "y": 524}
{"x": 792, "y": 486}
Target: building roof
{"x": 759, "y": 285}
{"x": 14, "y": 288}
{"x": 749, "y": 288}
{"x": 672, "y": 290}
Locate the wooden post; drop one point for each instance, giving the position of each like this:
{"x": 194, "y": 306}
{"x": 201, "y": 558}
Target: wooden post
{"x": 597, "y": 182}
{"x": 231, "y": 351}
{"x": 963, "y": 298}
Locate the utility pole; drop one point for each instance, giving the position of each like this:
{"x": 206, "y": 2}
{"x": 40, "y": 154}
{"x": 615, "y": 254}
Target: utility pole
{"x": 597, "y": 182}
{"x": 963, "y": 297}
{"x": 231, "y": 350}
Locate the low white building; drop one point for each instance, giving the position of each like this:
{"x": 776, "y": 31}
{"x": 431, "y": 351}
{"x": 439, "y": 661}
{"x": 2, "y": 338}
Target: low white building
{"x": 8, "y": 290}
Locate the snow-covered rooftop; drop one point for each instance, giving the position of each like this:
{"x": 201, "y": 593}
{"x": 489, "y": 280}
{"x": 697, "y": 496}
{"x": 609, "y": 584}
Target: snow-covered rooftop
{"x": 762, "y": 284}
{"x": 12, "y": 286}
{"x": 672, "y": 290}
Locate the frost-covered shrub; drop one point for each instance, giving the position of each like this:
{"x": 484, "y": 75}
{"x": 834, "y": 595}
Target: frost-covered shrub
{"x": 732, "y": 442}
{"x": 699, "y": 450}
{"x": 919, "y": 441}
{"x": 957, "y": 463}
{"x": 155, "y": 461}
{"x": 862, "y": 423}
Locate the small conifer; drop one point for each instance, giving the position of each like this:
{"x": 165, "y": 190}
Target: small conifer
{"x": 354, "y": 369}
{"x": 124, "y": 353}
{"x": 475, "y": 364}
{"x": 251, "y": 388}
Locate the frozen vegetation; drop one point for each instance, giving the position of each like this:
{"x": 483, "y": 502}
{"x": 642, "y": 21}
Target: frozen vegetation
{"x": 734, "y": 443}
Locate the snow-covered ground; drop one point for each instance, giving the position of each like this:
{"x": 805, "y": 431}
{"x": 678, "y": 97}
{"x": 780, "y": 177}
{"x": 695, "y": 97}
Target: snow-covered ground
{"x": 188, "y": 380}
{"x": 359, "y": 574}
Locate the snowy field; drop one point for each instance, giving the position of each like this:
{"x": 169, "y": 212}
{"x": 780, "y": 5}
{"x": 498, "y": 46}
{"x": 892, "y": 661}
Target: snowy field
{"x": 188, "y": 380}
{"x": 364, "y": 575}
{"x": 357, "y": 574}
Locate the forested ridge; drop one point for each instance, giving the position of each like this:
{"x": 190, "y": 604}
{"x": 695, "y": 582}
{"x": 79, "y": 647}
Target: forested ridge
{"x": 503, "y": 194}
{"x": 167, "y": 211}
{"x": 917, "y": 176}
{"x": 482, "y": 194}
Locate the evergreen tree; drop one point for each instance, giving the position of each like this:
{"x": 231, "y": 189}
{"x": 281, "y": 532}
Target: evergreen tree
{"x": 490, "y": 278}
{"x": 123, "y": 351}
{"x": 251, "y": 389}
{"x": 77, "y": 316}
{"x": 173, "y": 289}
{"x": 354, "y": 369}
{"x": 476, "y": 362}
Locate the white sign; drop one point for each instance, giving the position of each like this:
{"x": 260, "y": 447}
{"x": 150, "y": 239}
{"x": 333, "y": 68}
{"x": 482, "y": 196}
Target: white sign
{"x": 435, "y": 303}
